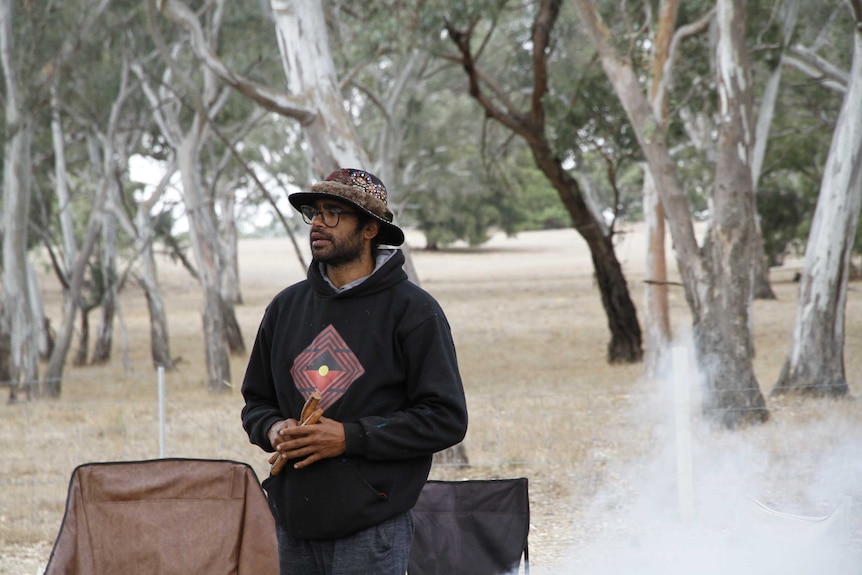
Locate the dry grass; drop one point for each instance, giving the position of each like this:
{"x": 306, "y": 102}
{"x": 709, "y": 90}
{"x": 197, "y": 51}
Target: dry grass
{"x": 531, "y": 338}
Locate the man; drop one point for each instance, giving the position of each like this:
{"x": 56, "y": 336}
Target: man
{"x": 378, "y": 349}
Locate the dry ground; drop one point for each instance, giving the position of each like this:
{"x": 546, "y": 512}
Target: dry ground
{"x": 531, "y": 338}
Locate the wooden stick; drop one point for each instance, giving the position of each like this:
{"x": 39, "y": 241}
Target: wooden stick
{"x": 313, "y": 418}
{"x": 282, "y": 461}
{"x": 307, "y": 409}
{"x": 310, "y": 406}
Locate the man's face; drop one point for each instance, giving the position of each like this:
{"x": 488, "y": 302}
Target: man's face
{"x": 336, "y": 244}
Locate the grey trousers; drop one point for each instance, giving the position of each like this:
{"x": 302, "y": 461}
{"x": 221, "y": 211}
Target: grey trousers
{"x": 379, "y": 550}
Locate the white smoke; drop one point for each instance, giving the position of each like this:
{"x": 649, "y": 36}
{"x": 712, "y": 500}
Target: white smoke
{"x": 782, "y": 498}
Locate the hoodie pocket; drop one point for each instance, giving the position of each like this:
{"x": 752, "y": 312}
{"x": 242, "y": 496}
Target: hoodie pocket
{"x": 330, "y": 499}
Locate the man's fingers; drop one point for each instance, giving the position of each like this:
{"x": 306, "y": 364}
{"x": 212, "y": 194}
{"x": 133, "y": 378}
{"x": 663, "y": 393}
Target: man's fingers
{"x": 307, "y": 461}
{"x": 300, "y": 452}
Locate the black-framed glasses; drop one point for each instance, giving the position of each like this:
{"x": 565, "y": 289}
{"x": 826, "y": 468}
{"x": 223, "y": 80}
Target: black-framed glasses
{"x": 329, "y": 216}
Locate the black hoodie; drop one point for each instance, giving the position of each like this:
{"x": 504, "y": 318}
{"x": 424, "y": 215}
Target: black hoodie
{"x": 382, "y": 356}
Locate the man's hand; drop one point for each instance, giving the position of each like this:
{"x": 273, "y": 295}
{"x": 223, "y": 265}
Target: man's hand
{"x": 273, "y": 434}
{"x": 322, "y": 440}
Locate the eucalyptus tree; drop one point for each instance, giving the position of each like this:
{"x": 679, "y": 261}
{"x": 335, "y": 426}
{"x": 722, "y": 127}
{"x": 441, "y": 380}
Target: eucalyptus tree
{"x": 110, "y": 142}
{"x": 815, "y": 363}
{"x": 716, "y": 277}
{"x": 415, "y": 122}
{"x": 519, "y": 101}
{"x": 184, "y": 103}
{"x": 656, "y": 303}
{"x": 17, "y": 166}
{"x": 665, "y": 58}
{"x": 815, "y": 67}
{"x": 49, "y": 37}
{"x": 312, "y": 96}
{"x": 102, "y": 122}
{"x": 141, "y": 228}
{"x": 788, "y": 11}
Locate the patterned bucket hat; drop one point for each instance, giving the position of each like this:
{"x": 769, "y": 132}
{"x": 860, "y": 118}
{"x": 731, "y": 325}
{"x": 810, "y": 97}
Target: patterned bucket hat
{"x": 361, "y": 189}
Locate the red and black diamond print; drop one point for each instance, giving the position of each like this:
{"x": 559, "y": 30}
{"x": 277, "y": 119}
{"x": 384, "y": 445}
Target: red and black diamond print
{"x": 328, "y": 366}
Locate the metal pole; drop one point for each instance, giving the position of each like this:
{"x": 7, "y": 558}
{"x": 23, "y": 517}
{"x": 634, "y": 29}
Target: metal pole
{"x": 161, "y": 411}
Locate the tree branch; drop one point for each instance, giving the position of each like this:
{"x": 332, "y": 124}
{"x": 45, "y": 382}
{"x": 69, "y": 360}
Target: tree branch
{"x": 817, "y": 67}
{"x": 545, "y": 19}
{"x": 681, "y": 34}
{"x": 278, "y": 102}
{"x": 512, "y": 118}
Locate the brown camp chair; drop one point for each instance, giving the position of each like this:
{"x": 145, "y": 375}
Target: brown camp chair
{"x": 475, "y": 527}
{"x": 165, "y": 516}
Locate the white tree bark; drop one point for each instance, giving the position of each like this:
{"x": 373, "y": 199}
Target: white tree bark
{"x": 53, "y": 377}
{"x": 106, "y": 158}
{"x": 815, "y": 363}
{"x": 309, "y": 68}
{"x": 200, "y": 210}
{"x": 109, "y": 289}
{"x": 231, "y": 291}
{"x": 16, "y": 217}
{"x": 717, "y": 285}
{"x": 723, "y": 334}
{"x": 143, "y": 233}
{"x": 37, "y": 307}
{"x": 57, "y": 361}
{"x": 203, "y": 232}
{"x": 61, "y": 186}
{"x": 160, "y": 349}
{"x": 313, "y": 95}
{"x": 766, "y": 110}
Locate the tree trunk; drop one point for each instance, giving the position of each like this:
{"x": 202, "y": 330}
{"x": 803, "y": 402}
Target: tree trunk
{"x": 625, "y": 343}
{"x": 159, "y": 341}
{"x": 202, "y": 95}
{"x": 61, "y": 187}
{"x": 53, "y": 378}
{"x": 233, "y": 331}
{"x": 203, "y": 232}
{"x": 761, "y": 288}
{"x": 37, "y": 307}
{"x": 815, "y": 363}
{"x": 231, "y": 286}
{"x": 724, "y": 336}
{"x": 16, "y": 203}
{"x": 765, "y": 113}
{"x": 80, "y": 358}
{"x": 17, "y": 167}
{"x": 731, "y": 393}
{"x": 229, "y": 265}
{"x": 160, "y": 350}
{"x": 300, "y": 26}
{"x": 105, "y": 334}
{"x": 656, "y": 306}
{"x": 5, "y": 356}
{"x": 56, "y": 362}
{"x": 717, "y": 285}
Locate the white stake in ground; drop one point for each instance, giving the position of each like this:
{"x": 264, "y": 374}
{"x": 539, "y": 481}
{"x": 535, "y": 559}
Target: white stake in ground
{"x": 682, "y": 416}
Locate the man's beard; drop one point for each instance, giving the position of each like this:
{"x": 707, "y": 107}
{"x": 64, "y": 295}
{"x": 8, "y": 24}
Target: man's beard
{"x": 341, "y": 251}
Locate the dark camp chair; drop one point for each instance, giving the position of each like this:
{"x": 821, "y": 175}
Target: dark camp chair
{"x": 167, "y": 516}
{"x": 474, "y": 527}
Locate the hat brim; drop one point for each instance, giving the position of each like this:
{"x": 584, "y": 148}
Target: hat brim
{"x": 389, "y": 234}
